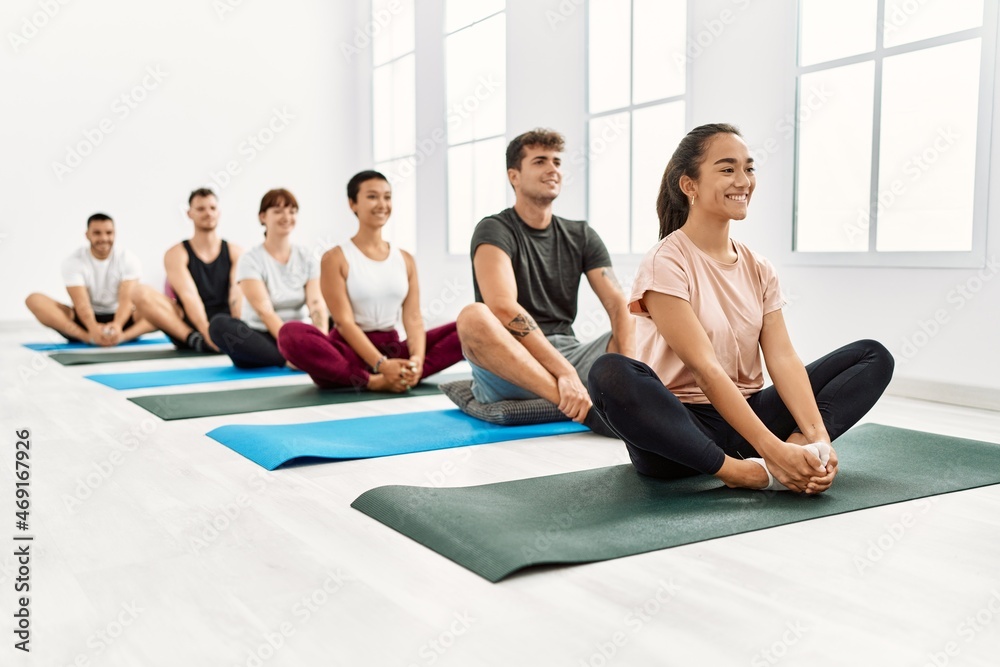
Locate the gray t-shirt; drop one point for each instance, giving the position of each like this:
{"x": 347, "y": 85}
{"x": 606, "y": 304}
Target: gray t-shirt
{"x": 548, "y": 264}
{"x": 285, "y": 283}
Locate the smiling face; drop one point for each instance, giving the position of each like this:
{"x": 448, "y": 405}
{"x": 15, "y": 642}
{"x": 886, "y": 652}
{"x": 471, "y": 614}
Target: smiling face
{"x": 204, "y": 212}
{"x": 374, "y": 203}
{"x": 101, "y": 234}
{"x": 726, "y": 179}
{"x": 279, "y": 220}
{"x": 540, "y": 176}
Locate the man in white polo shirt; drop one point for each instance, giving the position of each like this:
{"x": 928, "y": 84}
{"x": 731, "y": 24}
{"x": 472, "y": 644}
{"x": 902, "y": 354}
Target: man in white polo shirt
{"x": 99, "y": 279}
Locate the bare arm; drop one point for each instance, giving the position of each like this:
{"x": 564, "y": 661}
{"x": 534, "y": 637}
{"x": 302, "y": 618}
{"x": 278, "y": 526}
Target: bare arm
{"x": 256, "y": 293}
{"x": 235, "y": 293}
{"x": 495, "y": 275}
{"x": 609, "y": 291}
{"x": 84, "y": 310}
{"x": 124, "y": 311}
{"x": 317, "y": 309}
{"x": 413, "y": 320}
{"x": 179, "y": 276}
{"x": 677, "y": 323}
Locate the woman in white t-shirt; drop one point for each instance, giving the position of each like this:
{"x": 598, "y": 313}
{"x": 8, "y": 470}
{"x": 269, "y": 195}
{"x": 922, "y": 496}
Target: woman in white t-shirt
{"x": 280, "y": 283}
{"x": 370, "y": 286}
{"x": 693, "y": 401}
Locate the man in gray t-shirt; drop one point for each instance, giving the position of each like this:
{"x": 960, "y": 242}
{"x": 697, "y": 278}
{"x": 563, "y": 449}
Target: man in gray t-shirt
{"x": 527, "y": 265}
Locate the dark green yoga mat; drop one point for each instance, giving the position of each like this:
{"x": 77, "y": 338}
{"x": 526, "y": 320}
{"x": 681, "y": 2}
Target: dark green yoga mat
{"x": 579, "y": 517}
{"x": 79, "y": 358}
{"x": 239, "y": 401}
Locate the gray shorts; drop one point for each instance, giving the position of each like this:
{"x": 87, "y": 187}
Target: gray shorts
{"x": 488, "y": 387}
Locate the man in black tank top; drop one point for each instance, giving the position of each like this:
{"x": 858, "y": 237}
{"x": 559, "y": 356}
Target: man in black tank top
{"x": 201, "y": 276}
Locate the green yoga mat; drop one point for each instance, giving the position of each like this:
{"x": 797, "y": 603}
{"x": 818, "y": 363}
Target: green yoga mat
{"x": 239, "y": 401}
{"x": 593, "y": 515}
{"x": 80, "y": 358}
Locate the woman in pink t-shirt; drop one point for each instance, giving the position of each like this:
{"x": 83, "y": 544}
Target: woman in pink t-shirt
{"x": 707, "y": 306}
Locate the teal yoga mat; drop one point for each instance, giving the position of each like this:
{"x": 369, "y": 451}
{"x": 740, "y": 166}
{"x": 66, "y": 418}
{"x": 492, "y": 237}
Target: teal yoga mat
{"x": 367, "y": 437}
{"x": 187, "y": 376}
{"x": 49, "y": 347}
{"x": 593, "y": 515}
{"x": 240, "y": 401}
{"x": 81, "y": 358}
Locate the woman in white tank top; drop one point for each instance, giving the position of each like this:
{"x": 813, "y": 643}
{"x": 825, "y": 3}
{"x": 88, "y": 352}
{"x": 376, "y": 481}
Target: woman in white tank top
{"x": 370, "y": 287}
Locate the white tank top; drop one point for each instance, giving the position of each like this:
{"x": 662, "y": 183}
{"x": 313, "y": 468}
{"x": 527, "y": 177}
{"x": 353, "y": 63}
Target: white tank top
{"x": 376, "y": 289}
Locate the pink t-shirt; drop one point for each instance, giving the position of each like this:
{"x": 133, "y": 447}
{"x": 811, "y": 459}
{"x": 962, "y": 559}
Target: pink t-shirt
{"x": 730, "y": 301}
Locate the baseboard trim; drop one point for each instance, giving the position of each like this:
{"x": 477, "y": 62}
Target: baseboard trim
{"x": 985, "y": 398}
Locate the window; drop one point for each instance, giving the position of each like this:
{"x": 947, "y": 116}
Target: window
{"x": 394, "y": 114}
{"x": 636, "y": 76}
{"x": 894, "y": 102}
{"x": 475, "y": 84}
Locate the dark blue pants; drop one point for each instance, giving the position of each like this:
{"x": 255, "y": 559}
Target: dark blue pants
{"x": 669, "y": 439}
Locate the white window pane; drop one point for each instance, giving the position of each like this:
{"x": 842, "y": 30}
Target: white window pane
{"x": 461, "y": 219}
{"x": 659, "y": 36}
{"x": 394, "y": 109}
{"x": 401, "y": 230}
{"x": 927, "y": 164}
{"x": 476, "y": 74}
{"x": 833, "y": 190}
{"x": 404, "y": 109}
{"x": 460, "y": 13}
{"x": 392, "y": 29}
{"x": 831, "y": 30}
{"x": 490, "y": 184}
{"x": 476, "y": 189}
{"x": 608, "y": 54}
{"x": 382, "y": 113}
{"x": 656, "y": 131}
{"x": 909, "y": 20}
{"x": 608, "y": 180}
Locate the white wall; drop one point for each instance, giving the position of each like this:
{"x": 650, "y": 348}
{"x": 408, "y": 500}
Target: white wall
{"x": 225, "y": 76}
{"x": 221, "y": 77}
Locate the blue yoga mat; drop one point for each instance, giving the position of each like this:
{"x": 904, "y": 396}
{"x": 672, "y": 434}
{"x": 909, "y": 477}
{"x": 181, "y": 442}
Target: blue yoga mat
{"x": 51, "y": 347}
{"x": 187, "y": 376}
{"x": 368, "y": 437}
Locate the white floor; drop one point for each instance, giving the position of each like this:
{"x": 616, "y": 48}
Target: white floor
{"x": 154, "y": 545}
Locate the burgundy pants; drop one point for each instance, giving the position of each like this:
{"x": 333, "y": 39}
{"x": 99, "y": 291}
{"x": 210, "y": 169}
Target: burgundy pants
{"x": 331, "y": 362}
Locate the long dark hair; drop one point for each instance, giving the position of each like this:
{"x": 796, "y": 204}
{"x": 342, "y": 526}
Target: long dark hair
{"x": 672, "y": 204}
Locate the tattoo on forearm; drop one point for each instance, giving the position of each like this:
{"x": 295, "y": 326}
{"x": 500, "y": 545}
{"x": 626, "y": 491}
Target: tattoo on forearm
{"x": 521, "y": 326}
{"x": 610, "y": 275}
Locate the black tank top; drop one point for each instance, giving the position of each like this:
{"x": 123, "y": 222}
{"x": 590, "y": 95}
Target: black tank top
{"x": 212, "y": 280}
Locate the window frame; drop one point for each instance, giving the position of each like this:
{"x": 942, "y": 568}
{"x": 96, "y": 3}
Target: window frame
{"x": 976, "y": 256}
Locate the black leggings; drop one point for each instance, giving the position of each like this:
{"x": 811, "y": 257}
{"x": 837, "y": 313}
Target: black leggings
{"x": 248, "y": 348}
{"x": 669, "y": 439}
